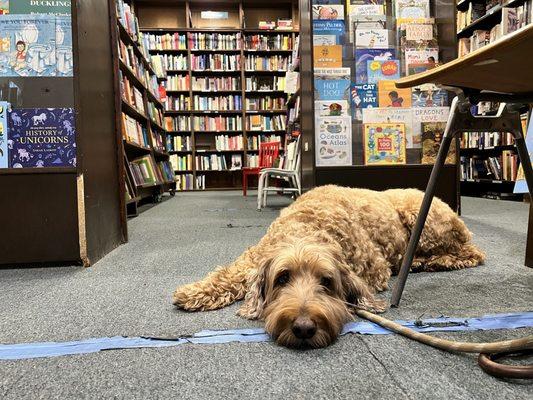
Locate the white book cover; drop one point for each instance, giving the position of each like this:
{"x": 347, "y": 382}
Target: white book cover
{"x": 324, "y": 40}
{"x": 328, "y": 11}
{"x": 412, "y": 9}
{"x": 367, "y": 9}
{"x": 333, "y": 141}
{"x": 372, "y": 38}
{"x": 332, "y": 108}
{"x": 426, "y": 114}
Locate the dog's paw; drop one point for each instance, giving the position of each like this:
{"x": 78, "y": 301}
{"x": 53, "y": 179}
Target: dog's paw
{"x": 184, "y": 298}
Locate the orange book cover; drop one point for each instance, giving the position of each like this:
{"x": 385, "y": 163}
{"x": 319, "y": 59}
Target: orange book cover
{"x": 390, "y": 96}
{"x": 328, "y": 56}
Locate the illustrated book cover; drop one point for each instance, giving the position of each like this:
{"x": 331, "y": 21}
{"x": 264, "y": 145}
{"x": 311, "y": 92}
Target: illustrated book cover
{"x": 382, "y": 70}
{"x": 62, "y": 7}
{"x": 372, "y": 38}
{"x": 362, "y": 56}
{"x": 390, "y": 96}
{"x": 333, "y": 141}
{"x": 4, "y": 158}
{"x": 64, "y": 56}
{"x": 332, "y": 108}
{"x": 384, "y": 143}
{"x": 42, "y": 137}
{"x": 424, "y": 115}
{"x": 327, "y": 56}
{"x": 411, "y": 8}
{"x": 328, "y": 11}
{"x": 393, "y": 115}
{"x": 429, "y": 95}
{"x": 332, "y": 83}
{"x": 363, "y": 96}
{"x": 432, "y": 134}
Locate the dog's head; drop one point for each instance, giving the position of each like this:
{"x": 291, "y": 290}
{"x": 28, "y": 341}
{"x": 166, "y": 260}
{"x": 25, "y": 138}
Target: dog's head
{"x": 301, "y": 290}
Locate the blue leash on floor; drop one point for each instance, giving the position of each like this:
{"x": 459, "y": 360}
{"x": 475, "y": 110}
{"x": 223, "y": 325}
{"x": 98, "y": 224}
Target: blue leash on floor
{"x": 55, "y": 349}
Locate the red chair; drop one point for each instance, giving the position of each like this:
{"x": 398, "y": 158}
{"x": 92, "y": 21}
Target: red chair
{"x": 268, "y": 153}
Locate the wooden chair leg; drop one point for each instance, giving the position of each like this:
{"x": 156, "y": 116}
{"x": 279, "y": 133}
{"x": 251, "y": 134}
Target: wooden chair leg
{"x": 244, "y": 183}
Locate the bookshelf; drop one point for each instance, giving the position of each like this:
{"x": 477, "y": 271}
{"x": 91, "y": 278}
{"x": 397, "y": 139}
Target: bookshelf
{"x": 224, "y": 82}
{"x": 489, "y": 161}
{"x": 147, "y": 169}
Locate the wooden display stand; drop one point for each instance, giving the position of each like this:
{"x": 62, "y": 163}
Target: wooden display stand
{"x": 70, "y": 215}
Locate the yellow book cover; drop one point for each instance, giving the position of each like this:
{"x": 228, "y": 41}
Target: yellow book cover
{"x": 390, "y": 96}
{"x": 328, "y": 56}
{"x": 384, "y": 143}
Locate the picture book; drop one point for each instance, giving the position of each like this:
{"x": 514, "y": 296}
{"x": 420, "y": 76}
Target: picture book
{"x": 332, "y": 108}
{"x": 371, "y": 21}
{"x": 432, "y": 134}
{"x": 42, "y": 137}
{"x": 330, "y": 28}
{"x": 327, "y": 56}
{"x": 64, "y": 57}
{"x": 40, "y": 7}
{"x": 364, "y": 55}
{"x": 411, "y": 8}
{"x": 328, "y": 11}
{"x": 390, "y": 96}
{"x": 4, "y": 7}
{"x": 378, "y": 70}
{"x": 416, "y": 68}
{"x": 429, "y": 95}
{"x": 393, "y": 115}
{"x": 426, "y": 114}
{"x": 27, "y": 45}
{"x": 4, "y": 107}
{"x": 332, "y": 84}
{"x": 324, "y": 40}
{"x": 417, "y": 33}
{"x": 333, "y": 141}
{"x": 363, "y": 96}
{"x": 384, "y": 143}
{"x": 367, "y": 9}
{"x": 372, "y": 38}
{"x": 423, "y": 56}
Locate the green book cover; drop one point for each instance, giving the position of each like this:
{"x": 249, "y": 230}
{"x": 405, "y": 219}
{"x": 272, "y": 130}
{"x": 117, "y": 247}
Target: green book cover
{"x": 56, "y": 7}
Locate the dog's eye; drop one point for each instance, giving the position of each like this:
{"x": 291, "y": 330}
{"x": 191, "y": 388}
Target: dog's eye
{"x": 282, "y": 279}
{"x": 326, "y": 282}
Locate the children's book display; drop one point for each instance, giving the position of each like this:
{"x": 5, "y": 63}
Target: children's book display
{"x": 388, "y": 40}
{"x": 36, "y": 42}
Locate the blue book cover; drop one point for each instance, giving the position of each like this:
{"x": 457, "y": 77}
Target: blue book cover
{"x": 64, "y": 57}
{"x": 363, "y": 96}
{"x": 329, "y": 27}
{"x": 42, "y": 137}
{"x": 4, "y": 106}
{"x": 27, "y": 45}
{"x": 332, "y": 84}
{"x": 362, "y": 56}
{"x": 430, "y": 96}
{"x": 382, "y": 70}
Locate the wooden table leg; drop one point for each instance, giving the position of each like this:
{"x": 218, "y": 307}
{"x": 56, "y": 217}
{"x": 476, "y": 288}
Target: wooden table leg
{"x": 529, "y": 243}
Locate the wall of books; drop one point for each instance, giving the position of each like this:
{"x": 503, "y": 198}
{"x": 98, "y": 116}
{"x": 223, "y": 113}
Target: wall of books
{"x": 360, "y": 48}
{"x": 37, "y": 127}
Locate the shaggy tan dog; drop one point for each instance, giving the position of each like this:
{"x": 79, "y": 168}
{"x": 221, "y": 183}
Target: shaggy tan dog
{"x": 331, "y": 247}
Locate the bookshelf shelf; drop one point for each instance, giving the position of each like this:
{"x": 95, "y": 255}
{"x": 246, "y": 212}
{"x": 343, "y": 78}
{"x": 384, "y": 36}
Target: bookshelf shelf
{"x": 235, "y": 51}
{"x": 252, "y": 71}
{"x": 493, "y": 181}
{"x": 266, "y": 111}
{"x": 156, "y": 51}
{"x": 218, "y": 132}
{"x": 136, "y": 147}
{"x": 132, "y": 111}
{"x": 268, "y": 51}
{"x": 218, "y": 151}
{"x": 491, "y": 18}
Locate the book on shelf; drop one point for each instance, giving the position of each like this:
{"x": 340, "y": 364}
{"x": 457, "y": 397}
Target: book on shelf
{"x": 332, "y": 84}
{"x": 177, "y": 83}
{"x": 284, "y": 24}
{"x": 266, "y": 83}
{"x": 167, "y": 172}
{"x": 216, "y": 62}
{"x": 363, "y": 96}
{"x": 145, "y": 171}
{"x": 329, "y": 56}
{"x": 166, "y": 41}
{"x": 164, "y": 63}
{"x": 181, "y": 162}
{"x": 494, "y": 168}
{"x": 265, "y": 103}
{"x": 216, "y": 124}
{"x": 328, "y": 11}
{"x": 255, "y": 62}
{"x": 217, "y": 103}
{"x": 370, "y": 38}
{"x": 216, "y": 162}
{"x": 292, "y": 82}
{"x": 212, "y": 84}
{"x": 485, "y": 140}
{"x": 268, "y": 42}
{"x": 184, "y": 182}
{"x": 266, "y": 25}
{"x": 378, "y": 70}
{"x": 432, "y": 135}
{"x": 133, "y": 131}
{"x": 429, "y": 95}
{"x": 384, "y": 143}
{"x": 214, "y": 41}
{"x": 266, "y": 123}
{"x": 227, "y": 142}
{"x": 181, "y": 102}
{"x": 130, "y": 94}
{"x": 362, "y": 56}
{"x": 254, "y": 142}
{"x": 178, "y": 123}
{"x": 412, "y": 8}
{"x": 179, "y": 143}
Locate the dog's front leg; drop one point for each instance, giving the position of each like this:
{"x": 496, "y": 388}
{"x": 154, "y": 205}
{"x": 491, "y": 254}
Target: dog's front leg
{"x": 220, "y": 288}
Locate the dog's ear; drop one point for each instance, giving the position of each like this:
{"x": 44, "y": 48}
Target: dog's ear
{"x": 357, "y": 292}
{"x": 254, "y": 301}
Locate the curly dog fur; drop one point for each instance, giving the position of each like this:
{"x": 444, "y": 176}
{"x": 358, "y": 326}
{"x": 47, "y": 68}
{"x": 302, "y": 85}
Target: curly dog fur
{"x": 331, "y": 248}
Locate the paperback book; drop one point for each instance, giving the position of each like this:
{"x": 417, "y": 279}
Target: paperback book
{"x": 64, "y": 57}
{"x": 332, "y": 108}
{"x": 429, "y": 95}
{"x": 393, "y": 115}
{"x": 362, "y": 56}
{"x": 333, "y": 141}
{"x": 363, "y": 96}
{"x": 384, "y": 143}
{"x": 4, "y": 160}
{"x": 367, "y": 21}
{"x": 432, "y": 134}
{"x": 417, "y": 33}
{"x": 42, "y": 137}
{"x": 62, "y": 7}
{"x": 424, "y": 115}
{"x": 328, "y": 12}
{"x": 332, "y": 84}
{"x": 372, "y": 38}
{"x": 327, "y": 56}
{"x": 382, "y": 70}
{"x": 4, "y": 7}
{"x": 390, "y": 96}
{"x": 411, "y": 8}
{"x": 429, "y": 58}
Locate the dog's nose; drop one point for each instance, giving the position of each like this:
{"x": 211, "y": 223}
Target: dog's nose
{"x": 304, "y": 328}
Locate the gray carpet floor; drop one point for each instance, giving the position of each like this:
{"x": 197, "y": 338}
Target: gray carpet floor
{"x": 180, "y": 240}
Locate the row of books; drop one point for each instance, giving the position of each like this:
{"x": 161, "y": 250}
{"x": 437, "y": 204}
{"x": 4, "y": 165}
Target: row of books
{"x": 179, "y": 143}
{"x": 217, "y": 162}
{"x": 146, "y": 172}
{"x": 216, "y": 83}
{"x": 130, "y": 94}
{"x": 219, "y": 123}
{"x": 268, "y": 42}
{"x": 163, "y": 63}
{"x": 485, "y": 140}
{"x": 503, "y": 168}
{"x": 127, "y": 18}
{"x": 181, "y": 163}
{"x": 133, "y": 131}
{"x": 214, "y": 41}
{"x": 216, "y": 62}
{"x": 180, "y": 102}
{"x": 155, "y": 113}
{"x": 167, "y": 41}
{"x": 178, "y": 123}
{"x": 267, "y": 63}
{"x": 265, "y": 83}
{"x": 265, "y": 103}
{"x": 266, "y": 123}
{"x": 177, "y": 82}
{"x": 157, "y": 141}
{"x": 217, "y": 103}
{"x": 166, "y": 171}
{"x": 132, "y": 61}
{"x": 185, "y": 182}
{"x": 226, "y": 142}
{"x": 254, "y": 142}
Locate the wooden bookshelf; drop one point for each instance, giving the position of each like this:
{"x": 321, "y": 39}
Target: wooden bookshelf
{"x": 184, "y": 18}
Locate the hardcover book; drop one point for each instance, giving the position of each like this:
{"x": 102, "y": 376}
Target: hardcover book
{"x": 411, "y": 8}
{"x": 328, "y": 12}
{"x": 333, "y": 138}
{"x": 332, "y": 108}
{"x": 364, "y": 55}
{"x": 327, "y": 56}
{"x": 390, "y": 96}
{"x": 371, "y": 21}
{"x": 40, "y": 7}
{"x": 363, "y": 96}
{"x": 422, "y": 56}
{"x": 4, "y": 7}
{"x": 417, "y": 33}
{"x": 64, "y": 57}
{"x": 4, "y": 107}
{"x": 372, "y": 38}
{"x": 42, "y": 137}
{"x": 432, "y": 134}
{"x": 382, "y": 70}
{"x": 394, "y": 115}
{"x": 332, "y": 84}
{"x": 429, "y": 95}
{"x": 324, "y": 40}
{"x": 426, "y": 114}
{"x": 27, "y": 45}
{"x": 384, "y": 143}
{"x": 327, "y": 27}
